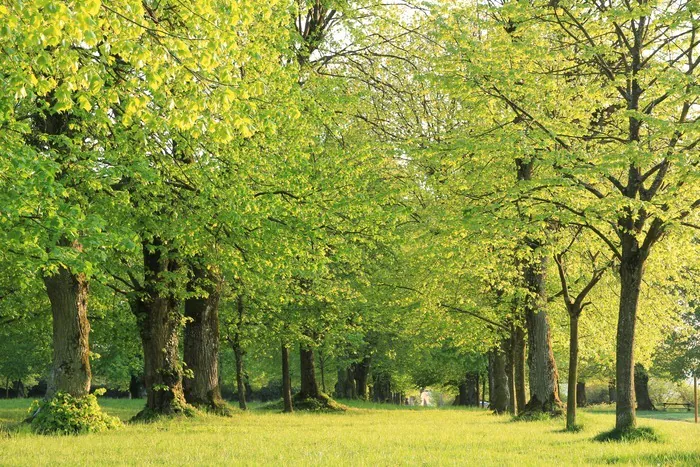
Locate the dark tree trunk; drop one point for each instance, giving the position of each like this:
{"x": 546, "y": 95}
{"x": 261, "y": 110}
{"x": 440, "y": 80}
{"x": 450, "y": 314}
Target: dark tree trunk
{"x": 631, "y": 269}
{"x": 581, "y": 399}
{"x": 573, "y": 371}
{"x": 472, "y": 396}
{"x": 361, "y": 372}
{"x": 345, "y": 387}
{"x": 286, "y": 381}
{"x": 510, "y": 372}
{"x": 461, "y": 399}
{"x": 520, "y": 356}
{"x": 136, "y": 386}
{"x": 382, "y": 388}
{"x": 239, "y": 354}
{"x": 201, "y": 354}
{"x": 309, "y": 385}
{"x": 612, "y": 390}
{"x": 641, "y": 388}
{"x": 159, "y": 323}
{"x": 483, "y": 389}
{"x": 70, "y": 370}
{"x": 501, "y": 396}
{"x": 490, "y": 371}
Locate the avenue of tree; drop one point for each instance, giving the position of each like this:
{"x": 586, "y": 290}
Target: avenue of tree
{"x": 400, "y": 195}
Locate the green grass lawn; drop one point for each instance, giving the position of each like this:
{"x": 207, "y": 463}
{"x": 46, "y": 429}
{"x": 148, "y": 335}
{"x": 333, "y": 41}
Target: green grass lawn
{"x": 365, "y": 435}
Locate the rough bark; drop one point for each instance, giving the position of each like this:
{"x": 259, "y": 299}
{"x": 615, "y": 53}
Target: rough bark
{"x": 520, "y": 358}
{"x": 501, "y": 396}
{"x": 159, "y": 321}
{"x": 309, "y": 385}
{"x": 70, "y": 369}
{"x": 641, "y": 388}
{"x": 631, "y": 271}
{"x": 544, "y": 378}
{"x": 201, "y": 353}
{"x": 286, "y": 381}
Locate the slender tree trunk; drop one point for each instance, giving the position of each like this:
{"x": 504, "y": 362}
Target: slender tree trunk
{"x": 520, "y": 356}
{"x": 631, "y": 270}
{"x": 286, "y": 381}
{"x": 641, "y": 388}
{"x": 581, "y": 399}
{"x": 472, "y": 383}
{"x": 240, "y": 377}
{"x": 483, "y": 390}
{"x": 135, "y": 386}
{"x": 322, "y": 367}
{"x": 201, "y": 354}
{"x": 70, "y": 370}
{"x": 573, "y": 371}
{"x": 490, "y": 370}
{"x": 309, "y": 385}
{"x": 501, "y": 396}
{"x": 159, "y": 323}
{"x": 510, "y": 373}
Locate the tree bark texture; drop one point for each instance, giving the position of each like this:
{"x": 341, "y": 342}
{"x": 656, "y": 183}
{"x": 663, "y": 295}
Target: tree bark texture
{"x": 520, "y": 356}
{"x": 501, "y": 396}
{"x": 70, "y": 369}
{"x": 573, "y": 372}
{"x": 286, "y": 381}
{"x": 201, "y": 353}
{"x": 309, "y": 385}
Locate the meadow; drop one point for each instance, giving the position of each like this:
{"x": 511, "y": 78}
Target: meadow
{"x": 367, "y": 434}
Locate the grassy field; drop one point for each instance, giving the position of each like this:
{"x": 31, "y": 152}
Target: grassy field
{"x": 366, "y": 435}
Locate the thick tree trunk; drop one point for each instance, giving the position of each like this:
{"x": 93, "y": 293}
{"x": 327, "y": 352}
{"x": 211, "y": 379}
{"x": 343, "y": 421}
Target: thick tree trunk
{"x": 544, "y": 378}
{"x": 345, "y": 387}
{"x": 641, "y": 388}
{"x": 631, "y": 270}
{"x": 309, "y": 385}
{"x": 201, "y": 344}
{"x": 501, "y": 396}
{"x": 159, "y": 324}
{"x": 361, "y": 372}
{"x": 70, "y": 370}
{"x": 520, "y": 357}
{"x": 573, "y": 372}
{"x": 461, "y": 399}
{"x": 286, "y": 381}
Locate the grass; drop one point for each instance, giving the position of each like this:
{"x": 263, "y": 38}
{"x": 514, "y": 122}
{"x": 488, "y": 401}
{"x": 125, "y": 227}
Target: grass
{"x": 364, "y": 435}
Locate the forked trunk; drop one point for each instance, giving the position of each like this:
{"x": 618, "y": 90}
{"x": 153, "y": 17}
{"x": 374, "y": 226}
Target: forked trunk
{"x": 201, "y": 344}
{"x": 286, "y": 381}
{"x": 70, "y": 369}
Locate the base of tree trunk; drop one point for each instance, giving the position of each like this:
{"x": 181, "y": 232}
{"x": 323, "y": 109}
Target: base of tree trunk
{"x": 320, "y": 403}
{"x": 176, "y": 407}
{"x": 536, "y": 410}
{"x": 636, "y": 434}
{"x": 216, "y": 406}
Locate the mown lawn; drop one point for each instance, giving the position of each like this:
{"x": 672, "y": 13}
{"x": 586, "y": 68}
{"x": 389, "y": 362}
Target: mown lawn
{"x": 362, "y": 436}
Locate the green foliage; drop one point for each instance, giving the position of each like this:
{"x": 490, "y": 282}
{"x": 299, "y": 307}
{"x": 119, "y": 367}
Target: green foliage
{"x": 64, "y": 414}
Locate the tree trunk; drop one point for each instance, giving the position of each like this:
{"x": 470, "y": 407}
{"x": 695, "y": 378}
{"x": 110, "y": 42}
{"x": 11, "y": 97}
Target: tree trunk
{"x": 461, "y": 399}
{"x": 345, "y": 387}
{"x": 490, "y": 371}
{"x": 286, "y": 381}
{"x": 201, "y": 354}
{"x": 631, "y": 269}
{"x": 501, "y": 396}
{"x": 581, "y": 399}
{"x": 510, "y": 373}
{"x": 135, "y": 386}
{"x": 240, "y": 377}
{"x": 612, "y": 390}
{"x": 483, "y": 390}
{"x": 641, "y": 388}
{"x": 159, "y": 324}
{"x": 520, "y": 356}
{"x": 70, "y": 370}
{"x": 472, "y": 382}
{"x": 309, "y": 385}
{"x": 544, "y": 378}
{"x": 361, "y": 372}
{"x": 573, "y": 371}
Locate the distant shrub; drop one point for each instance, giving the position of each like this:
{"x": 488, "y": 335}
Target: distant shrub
{"x": 64, "y": 414}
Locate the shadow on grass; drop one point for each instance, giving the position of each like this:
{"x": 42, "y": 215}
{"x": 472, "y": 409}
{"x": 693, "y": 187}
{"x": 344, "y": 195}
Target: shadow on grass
{"x": 630, "y": 435}
{"x": 678, "y": 458}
